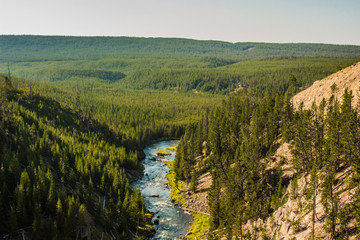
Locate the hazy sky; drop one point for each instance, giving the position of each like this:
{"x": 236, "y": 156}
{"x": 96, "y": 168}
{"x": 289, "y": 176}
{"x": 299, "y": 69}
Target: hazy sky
{"x": 321, "y": 21}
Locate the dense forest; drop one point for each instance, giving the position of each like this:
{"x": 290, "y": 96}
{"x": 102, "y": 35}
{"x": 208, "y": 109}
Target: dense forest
{"x": 235, "y": 143}
{"x": 63, "y": 174}
{"x": 211, "y": 75}
{"x": 76, "y": 111}
{"x": 24, "y": 48}
{"x": 262, "y": 76}
{"x": 71, "y": 157}
{"x": 141, "y": 116}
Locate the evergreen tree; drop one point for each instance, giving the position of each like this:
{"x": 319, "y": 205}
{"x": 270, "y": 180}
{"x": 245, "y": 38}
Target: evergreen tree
{"x": 301, "y": 147}
{"x": 329, "y": 197}
{"x": 215, "y": 203}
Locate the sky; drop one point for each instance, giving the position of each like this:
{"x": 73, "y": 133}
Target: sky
{"x": 283, "y": 21}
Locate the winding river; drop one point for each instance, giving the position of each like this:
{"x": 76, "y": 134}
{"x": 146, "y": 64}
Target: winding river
{"x": 173, "y": 221}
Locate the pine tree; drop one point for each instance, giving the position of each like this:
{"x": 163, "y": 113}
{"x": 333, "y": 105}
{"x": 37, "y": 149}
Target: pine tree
{"x": 13, "y": 219}
{"x": 329, "y": 198}
{"x": 302, "y": 148}
{"x": 287, "y": 110}
{"x": 215, "y": 202}
{"x": 60, "y": 215}
{"x": 318, "y": 146}
{"x": 36, "y": 224}
{"x": 348, "y": 128}
{"x": 23, "y": 195}
{"x": 193, "y": 181}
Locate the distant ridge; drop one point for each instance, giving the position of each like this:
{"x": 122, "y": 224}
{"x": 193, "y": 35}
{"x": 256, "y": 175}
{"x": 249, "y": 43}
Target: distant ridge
{"x": 36, "y": 48}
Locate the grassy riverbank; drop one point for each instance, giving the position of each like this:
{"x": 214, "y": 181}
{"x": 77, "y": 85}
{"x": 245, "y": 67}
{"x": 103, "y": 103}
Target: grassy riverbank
{"x": 177, "y": 193}
{"x": 200, "y": 227}
{"x": 201, "y": 223}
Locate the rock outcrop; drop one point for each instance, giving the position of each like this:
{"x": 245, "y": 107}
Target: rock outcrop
{"x": 199, "y": 199}
{"x": 346, "y": 78}
{"x": 293, "y": 220}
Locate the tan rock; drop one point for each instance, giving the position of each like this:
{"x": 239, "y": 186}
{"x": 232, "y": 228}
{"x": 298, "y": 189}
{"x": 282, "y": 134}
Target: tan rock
{"x": 346, "y": 78}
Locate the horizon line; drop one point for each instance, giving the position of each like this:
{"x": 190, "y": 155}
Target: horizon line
{"x": 183, "y": 38}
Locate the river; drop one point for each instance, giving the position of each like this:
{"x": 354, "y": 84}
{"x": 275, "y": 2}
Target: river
{"x": 173, "y": 221}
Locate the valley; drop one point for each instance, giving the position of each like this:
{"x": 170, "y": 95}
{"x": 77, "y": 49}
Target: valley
{"x": 252, "y": 161}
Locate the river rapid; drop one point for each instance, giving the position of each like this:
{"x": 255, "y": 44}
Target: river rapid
{"x": 173, "y": 221}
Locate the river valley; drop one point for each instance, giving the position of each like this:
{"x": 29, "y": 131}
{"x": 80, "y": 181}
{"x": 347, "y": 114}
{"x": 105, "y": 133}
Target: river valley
{"x": 173, "y": 222}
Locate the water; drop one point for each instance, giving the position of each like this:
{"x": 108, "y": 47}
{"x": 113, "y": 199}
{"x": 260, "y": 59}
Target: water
{"x": 173, "y": 222}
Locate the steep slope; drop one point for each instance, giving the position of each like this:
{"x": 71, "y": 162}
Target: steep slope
{"x": 63, "y": 174}
{"x": 293, "y": 220}
{"x": 333, "y": 84}
{"x": 278, "y": 173}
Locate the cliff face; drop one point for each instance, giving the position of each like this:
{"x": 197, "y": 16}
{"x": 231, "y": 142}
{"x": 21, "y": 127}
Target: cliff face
{"x": 294, "y": 219}
{"x": 347, "y": 78}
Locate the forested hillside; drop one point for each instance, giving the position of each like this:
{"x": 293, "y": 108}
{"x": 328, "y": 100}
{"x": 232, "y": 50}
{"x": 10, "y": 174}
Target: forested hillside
{"x": 63, "y": 174}
{"x": 71, "y": 149}
{"x": 141, "y": 117}
{"x": 261, "y": 76}
{"x": 24, "y": 48}
{"x": 171, "y": 64}
{"x": 213, "y": 75}
{"x": 236, "y": 144}
{"x": 76, "y": 111}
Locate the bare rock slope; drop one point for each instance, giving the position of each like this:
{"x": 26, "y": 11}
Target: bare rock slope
{"x": 346, "y": 78}
{"x": 293, "y": 220}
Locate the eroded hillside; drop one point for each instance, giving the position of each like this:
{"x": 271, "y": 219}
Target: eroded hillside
{"x": 348, "y": 78}
{"x": 279, "y": 172}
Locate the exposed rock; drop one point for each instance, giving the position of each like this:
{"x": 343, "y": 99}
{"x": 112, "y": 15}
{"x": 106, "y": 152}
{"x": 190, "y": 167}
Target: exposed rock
{"x": 282, "y": 157}
{"x": 198, "y": 200}
{"x": 204, "y": 182}
{"x": 279, "y": 226}
{"x": 292, "y": 220}
{"x": 346, "y": 78}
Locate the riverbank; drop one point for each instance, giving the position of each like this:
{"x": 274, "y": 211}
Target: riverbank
{"x": 183, "y": 197}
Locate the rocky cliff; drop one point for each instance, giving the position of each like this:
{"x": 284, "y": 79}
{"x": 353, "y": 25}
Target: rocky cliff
{"x": 293, "y": 220}
{"x": 347, "y": 78}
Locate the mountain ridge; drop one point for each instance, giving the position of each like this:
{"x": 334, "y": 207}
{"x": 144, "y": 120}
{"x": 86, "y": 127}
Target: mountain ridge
{"x": 25, "y": 47}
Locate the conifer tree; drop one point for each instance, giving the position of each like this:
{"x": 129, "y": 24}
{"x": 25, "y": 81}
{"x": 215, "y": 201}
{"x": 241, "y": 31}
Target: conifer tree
{"x": 287, "y": 109}
{"x": 13, "y": 219}
{"x": 302, "y": 147}
{"x": 319, "y": 152}
{"x": 333, "y": 150}
{"x": 215, "y": 202}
